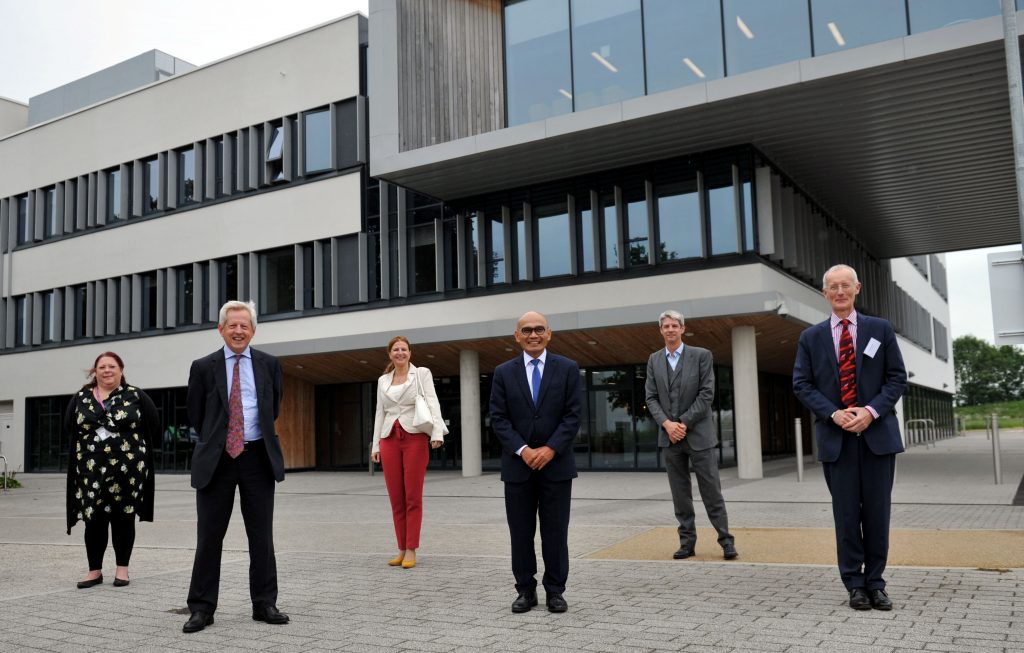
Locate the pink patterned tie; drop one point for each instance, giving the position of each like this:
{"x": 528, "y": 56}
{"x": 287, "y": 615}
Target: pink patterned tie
{"x": 847, "y": 366}
{"x": 236, "y": 421}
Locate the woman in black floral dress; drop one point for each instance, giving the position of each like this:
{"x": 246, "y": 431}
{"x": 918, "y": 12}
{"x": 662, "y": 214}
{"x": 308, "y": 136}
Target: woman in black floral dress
{"x": 113, "y": 428}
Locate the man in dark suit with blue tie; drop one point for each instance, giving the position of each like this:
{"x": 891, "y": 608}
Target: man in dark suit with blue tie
{"x": 535, "y": 413}
{"x": 233, "y": 399}
{"x": 849, "y": 373}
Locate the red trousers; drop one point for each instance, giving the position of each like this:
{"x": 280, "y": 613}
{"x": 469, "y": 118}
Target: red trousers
{"x": 404, "y": 457}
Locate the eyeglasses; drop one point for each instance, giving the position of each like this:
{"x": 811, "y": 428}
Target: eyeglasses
{"x": 836, "y": 287}
{"x": 539, "y": 330}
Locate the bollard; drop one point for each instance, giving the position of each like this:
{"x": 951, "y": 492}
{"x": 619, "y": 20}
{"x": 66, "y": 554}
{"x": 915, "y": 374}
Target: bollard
{"x": 997, "y": 466}
{"x": 371, "y": 466}
{"x": 799, "y": 450}
{"x": 5, "y": 471}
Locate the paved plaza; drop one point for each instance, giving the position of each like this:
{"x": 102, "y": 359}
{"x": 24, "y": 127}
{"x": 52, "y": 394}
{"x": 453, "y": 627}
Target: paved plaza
{"x": 334, "y": 534}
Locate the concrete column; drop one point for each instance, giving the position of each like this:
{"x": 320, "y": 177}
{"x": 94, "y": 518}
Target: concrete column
{"x": 469, "y": 401}
{"x": 747, "y": 402}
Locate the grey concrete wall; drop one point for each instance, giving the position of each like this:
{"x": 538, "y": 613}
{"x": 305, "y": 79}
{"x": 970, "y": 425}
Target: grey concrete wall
{"x": 13, "y": 116}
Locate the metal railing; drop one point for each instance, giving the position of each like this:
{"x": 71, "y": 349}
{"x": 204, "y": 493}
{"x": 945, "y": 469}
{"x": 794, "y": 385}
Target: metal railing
{"x": 925, "y": 433}
{"x": 992, "y": 431}
{"x": 4, "y": 458}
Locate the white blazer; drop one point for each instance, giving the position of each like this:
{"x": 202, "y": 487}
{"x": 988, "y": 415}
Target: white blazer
{"x": 403, "y": 409}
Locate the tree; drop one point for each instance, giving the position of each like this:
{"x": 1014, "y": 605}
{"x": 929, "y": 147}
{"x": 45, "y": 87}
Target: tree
{"x": 986, "y": 373}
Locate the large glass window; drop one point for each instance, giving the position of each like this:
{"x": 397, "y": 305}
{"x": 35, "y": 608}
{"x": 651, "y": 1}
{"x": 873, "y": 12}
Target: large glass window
{"x": 474, "y": 240}
{"x": 519, "y": 239}
{"x": 496, "y": 255}
{"x": 227, "y": 279}
{"x": 150, "y": 300}
{"x": 318, "y": 141}
{"x": 24, "y": 224}
{"x": 609, "y": 231}
{"x": 637, "y": 232}
{"x": 185, "y": 284}
{"x": 151, "y": 186}
{"x": 275, "y": 154}
{"x": 679, "y": 223}
{"x": 51, "y": 327}
{"x": 186, "y": 176}
{"x": 21, "y": 315}
{"x": 421, "y": 243}
{"x": 682, "y": 42}
{"x": 277, "y": 281}
{"x": 81, "y": 310}
{"x": 747, "y": 205}
{"x": 722, "y": 212}
{"x": 759, "y": 34}
{"x": 553, "y": 244}
{"x": 935, "y": 14}
{"x": 114, "y": 195}
{"x": 53, "y": 228}
{"x": 607, "y": 52}
{"x": 538, "y": 72}
{"x": 841, "y": 24}
{"x": 589, "y": 233}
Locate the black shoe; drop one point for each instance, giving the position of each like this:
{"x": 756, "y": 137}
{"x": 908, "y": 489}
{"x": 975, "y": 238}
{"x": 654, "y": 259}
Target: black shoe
{"x": 729, "y": 551}
{"x": 270, "y": 615}
{"x": 556, "y": 603}
{"x": 526, "y": 600}
{"x": 682, "y": 554}
{"x": 859, "y": 599}
{"x": 86, "y": 584}
{"x": 121, "y": 582}
{"x": 879, "y": 600}
{"x": 197, "y": 622}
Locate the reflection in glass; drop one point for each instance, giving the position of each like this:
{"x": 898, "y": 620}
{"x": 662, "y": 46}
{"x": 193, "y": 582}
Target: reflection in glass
{"x": 227, "y": 279}
{"x": 50, "y": 326}
{"x": 610, "y": 229}
{"x": 113, "y": 195}
{"x": 277, "y": 281}
{"x": 151, "y": 185}
{"x": 683, "y": 42}
{"x": 725, "y": 414}
{"x": 636, "y": 226}
{"x": 553, "y": 246}
{"x": 519, "y": 234}
{"x": 537, "y": 69}
{"x": 759, "y": 34}
{"x": 612, "y": 441}
{"x": 186, "y": 291}
{"x": 841, "y": 24}
{"x": 747, "y": 197}
{"x": 679, "y": 224}
{"x": 186, "y": 176}
{"x": 722, "y": 215}
{"x": 935, "y": 14}
{"x": 588, "y": 233}
{"x": 318, "y": 141}
{"x": 496, "y": 259}
{"x": 607, "y": 52}
{"x": 476, "y": 246}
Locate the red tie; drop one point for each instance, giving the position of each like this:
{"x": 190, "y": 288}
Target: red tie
{"x": 847, "y": 367}
{"x": 236, "y": 421}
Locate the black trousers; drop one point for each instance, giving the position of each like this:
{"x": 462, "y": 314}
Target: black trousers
{"x": 250, "y": 472}
{"x": 524, "y": 503}
{"x": 122, "y": 530}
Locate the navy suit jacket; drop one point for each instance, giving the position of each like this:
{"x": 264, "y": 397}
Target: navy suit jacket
{"x": 554, "y": 422}
{"x": 208, "y": 411}
{"x": 881, "y": 380}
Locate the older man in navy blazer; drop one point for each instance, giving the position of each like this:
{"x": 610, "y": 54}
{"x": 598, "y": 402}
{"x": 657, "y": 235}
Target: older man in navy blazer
{"x": 849, "y": 373}
{"x": 535, "y": 413}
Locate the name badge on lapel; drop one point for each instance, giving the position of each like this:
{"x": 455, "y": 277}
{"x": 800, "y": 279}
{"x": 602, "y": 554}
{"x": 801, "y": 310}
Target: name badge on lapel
{"x": 872, "y": 348}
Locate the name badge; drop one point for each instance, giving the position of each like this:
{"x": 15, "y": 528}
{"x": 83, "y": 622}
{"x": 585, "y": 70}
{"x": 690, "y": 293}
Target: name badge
{"x": 102, "y": 434}
{"x": 872, "y": 348}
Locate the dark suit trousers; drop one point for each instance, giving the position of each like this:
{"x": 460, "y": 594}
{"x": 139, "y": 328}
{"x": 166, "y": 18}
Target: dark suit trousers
{"x": 861, "y": 486}
{"x": 252, "y": 475}
{"x": 523, "y": 503}
{"x": 678, "y": 460}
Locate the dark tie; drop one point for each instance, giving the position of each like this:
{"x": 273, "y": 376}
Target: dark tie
{"x": 535, "y": 379}
{"x": 847, "y": 367}
{"x": 236, "y": 421}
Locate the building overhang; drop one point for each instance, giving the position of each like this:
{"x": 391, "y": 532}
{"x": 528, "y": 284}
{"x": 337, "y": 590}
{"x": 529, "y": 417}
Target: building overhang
{"x": 906, "y": 142}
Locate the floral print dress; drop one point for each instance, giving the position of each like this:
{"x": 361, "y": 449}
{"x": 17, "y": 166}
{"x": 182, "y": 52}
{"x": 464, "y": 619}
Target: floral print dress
{"x": 111, "y": 453}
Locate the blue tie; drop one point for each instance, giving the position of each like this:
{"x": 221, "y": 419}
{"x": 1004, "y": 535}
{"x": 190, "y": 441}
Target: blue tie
{"x": 535, "y": 379}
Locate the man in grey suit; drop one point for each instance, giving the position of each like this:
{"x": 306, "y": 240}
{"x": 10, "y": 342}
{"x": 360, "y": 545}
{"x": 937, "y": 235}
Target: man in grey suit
{"x": 680, "y": 388}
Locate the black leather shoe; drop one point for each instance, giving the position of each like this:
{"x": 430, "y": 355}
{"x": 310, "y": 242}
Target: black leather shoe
{"x": 879, "y": 600}
{"x": 556, "y": 603}
{"x": 270, "y": 615}
{"x": 859, "y": 599}
{"x": 729, "y": 551}
{"x": 121, "y": 582}
{"x": 682, "y": 554}
{"x": 86, "y": 584}
{"x": 197, "y": 622}
{"x": 524, "y": 601}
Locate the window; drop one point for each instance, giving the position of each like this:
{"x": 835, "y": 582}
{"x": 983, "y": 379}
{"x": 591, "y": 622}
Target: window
{"x": 227, "y": 279}
{"x": 53, "y": 228}
{"x": 317, "y": 141}
{"x": 186, "y": 176}
{"x": 218, "y": 166}
{"x": 80, "y": 295}
{"x": 637, "y": 236}
{"x": 841, "y": 25}
{"x": 589, "y": 232}
{"x": 935, "y": 14}
{"x": 150, "y": 300}
{"x": 682, "y": 42}
{"x": 185, "y": 286}
{"x": 25, "y": 226}
{"x": 114, "y": 195}
{"x": 421, "y": 244}
{"x": 722, "y": 213}
{"x": 759, "y": 34}
{"x": 679, "y": 223}
{"x": 607, "y": 52}
{"x": 553, "y": 243}
{"x": 521, "y": 262}
{"x": 275, "y": 155}
{"x": 348, "y": 270}
{"x": 277, "y": 281}
{"x": 21, "y": 318}
{"x": 151, "y": 186}
{"x": 51, "y": 327}
{"x": 474, "y": 241}
{"x": 496, "y": 237}
{"x": 610, "y": 231}
{"x": 538, "y": 73}
{"x": 326, "y": 275}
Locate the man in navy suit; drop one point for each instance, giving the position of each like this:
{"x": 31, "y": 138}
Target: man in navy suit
{"x": 535, "y": 413}
{"x": 849, "y": 373}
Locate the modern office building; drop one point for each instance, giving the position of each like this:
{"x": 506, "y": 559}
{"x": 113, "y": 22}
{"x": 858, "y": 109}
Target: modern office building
{"x": 445, "y": 166}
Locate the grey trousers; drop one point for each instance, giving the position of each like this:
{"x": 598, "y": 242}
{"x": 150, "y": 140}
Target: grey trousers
{"x": 679, "y": 459}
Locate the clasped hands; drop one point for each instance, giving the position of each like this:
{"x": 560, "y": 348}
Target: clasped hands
{"x": 676, "y": 430}
{"x": 537, "y": 458}
{"x": 854, "y": 419}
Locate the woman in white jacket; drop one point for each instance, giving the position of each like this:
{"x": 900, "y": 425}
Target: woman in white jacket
{"x": 402, "y": 445}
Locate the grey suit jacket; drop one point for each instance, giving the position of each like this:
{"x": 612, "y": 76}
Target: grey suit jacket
{"x": 685, "y": 398}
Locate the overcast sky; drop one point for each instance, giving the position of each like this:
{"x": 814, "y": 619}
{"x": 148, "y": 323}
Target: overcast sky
{"x": 48, "y": 43}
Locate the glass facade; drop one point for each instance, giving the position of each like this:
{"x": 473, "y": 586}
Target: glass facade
{"x": 927, "y": 15}
{"x": 317, "y": 143}
{"x": 538, "y": 68}
{"x": 682, "y": 43}
{"x": 840, "y": 25}
{"x": 186, "y": 176}
{"x": 277, "y": 281}
{"x": 607, "y": 52}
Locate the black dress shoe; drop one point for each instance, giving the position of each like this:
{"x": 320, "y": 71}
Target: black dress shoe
{"x": 197, "y": 622}
{"x": 270, "y": 615}
{"x": 556, "y": 603}
{"x": 121, "y": 582}
{"x": 729, "y": 551}
{"x": 524, "y": 601}
{"x": 879, "y": 600}
{"x": 682, "y": 554}
{"x": 859, "y": 599}
{"x": 86, "y": 584}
